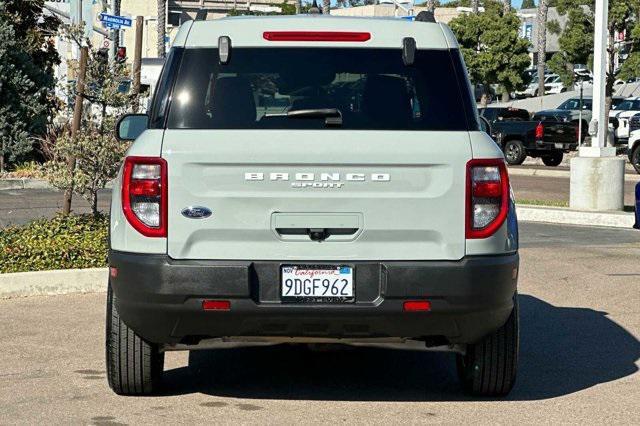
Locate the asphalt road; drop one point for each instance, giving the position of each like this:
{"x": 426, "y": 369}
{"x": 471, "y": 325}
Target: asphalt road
{"x": 17, "y": 207}
{"x": 21, "y": 206}
{"x": 580, "y": 323}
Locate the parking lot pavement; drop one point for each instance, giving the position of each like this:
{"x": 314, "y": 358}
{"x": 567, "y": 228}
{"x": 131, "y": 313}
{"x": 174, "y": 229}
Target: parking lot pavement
{"x": 580, "y": 322}
{"x": 22, "y": 206}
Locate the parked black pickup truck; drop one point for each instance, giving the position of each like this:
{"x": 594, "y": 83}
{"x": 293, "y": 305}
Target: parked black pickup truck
{"x": 520, "y": 135}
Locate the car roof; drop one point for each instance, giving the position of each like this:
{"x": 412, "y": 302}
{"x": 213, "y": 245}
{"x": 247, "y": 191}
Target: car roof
{"x": 247, "y": 31}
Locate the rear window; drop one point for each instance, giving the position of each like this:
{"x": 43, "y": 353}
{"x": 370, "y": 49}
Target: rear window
{"x": 575, "y": 104}
{"x": 372, "y": 89}
{"x": 628, "y": 105}
{"x": 505, "y": 114}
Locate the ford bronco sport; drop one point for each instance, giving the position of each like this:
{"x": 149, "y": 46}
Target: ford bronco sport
{"x": 312, "y": 179}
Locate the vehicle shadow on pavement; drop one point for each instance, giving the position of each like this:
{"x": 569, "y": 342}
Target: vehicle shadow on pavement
{"x": 563, "y": 350}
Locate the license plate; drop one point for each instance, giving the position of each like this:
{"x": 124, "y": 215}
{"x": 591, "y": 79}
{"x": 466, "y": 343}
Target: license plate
{"x": 316, "y": 283}
{"x": 559, "y": 145}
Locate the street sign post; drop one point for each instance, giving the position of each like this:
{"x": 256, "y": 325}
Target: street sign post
{"x": 110, "y": 20}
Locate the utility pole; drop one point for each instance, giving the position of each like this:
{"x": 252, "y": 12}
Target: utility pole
{"x": 115, "y": 33}
{"x": 75, "y": 124}
{"x": 161, "y": 28}
{"x": 597, "y": 175}
{"x": 137, "y": 61}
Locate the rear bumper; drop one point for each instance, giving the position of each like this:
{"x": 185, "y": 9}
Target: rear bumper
{"x": 161, "y": 299}
{"x": 553, "y": 146}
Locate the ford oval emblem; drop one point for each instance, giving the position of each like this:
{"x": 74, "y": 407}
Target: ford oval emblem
{"x": 196, "y": 212}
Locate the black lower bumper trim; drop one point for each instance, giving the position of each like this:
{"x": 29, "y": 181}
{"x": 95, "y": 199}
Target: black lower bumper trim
{"x": 161, "y": 299}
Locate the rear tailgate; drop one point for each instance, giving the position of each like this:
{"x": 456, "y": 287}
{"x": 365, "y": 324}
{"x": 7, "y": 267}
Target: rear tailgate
{"x": 393, "y": 195}
{"x": 560, "y": 132}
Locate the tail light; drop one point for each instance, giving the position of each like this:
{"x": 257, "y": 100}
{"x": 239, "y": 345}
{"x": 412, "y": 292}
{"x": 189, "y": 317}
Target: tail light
{"x": 144, "y": 195}
{"x": 540, "y": 131}
{"x": 312, "y": 36}
{"x": 487, "y": 197}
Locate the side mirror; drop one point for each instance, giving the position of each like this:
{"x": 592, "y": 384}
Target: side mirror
{"x": 130, "y": 126}
{"x": 485, "y": 126}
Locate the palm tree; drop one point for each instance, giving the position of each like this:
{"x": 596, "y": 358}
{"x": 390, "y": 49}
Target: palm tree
{"x": 543, "y": 8}
{"x": 162, "y": 27}
{"x": 326, "y": 7}
{"x": 431, "y": 5}
{"x": 506, "y": 6}
{"x": 298, "y": 6}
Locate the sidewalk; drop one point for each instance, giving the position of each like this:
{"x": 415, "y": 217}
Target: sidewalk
{"x": 566, "y": 216}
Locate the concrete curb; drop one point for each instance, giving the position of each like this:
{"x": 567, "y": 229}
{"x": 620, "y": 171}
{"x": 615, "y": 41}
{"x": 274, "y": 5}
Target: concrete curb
{"x": 565, "y": 216}
{"x": 17, "y": 184}
{"x": 43, "y": 283}
{"x": 13, "y": 184}
{"x": 559, "y": 173}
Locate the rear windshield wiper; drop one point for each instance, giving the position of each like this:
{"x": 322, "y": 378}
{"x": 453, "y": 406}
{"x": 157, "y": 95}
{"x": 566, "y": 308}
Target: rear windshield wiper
{"x": 332, "y": 116}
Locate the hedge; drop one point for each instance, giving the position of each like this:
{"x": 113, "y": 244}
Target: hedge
{"x": 75, "y": 241}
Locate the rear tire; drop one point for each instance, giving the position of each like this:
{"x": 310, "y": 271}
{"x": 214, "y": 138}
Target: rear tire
{"x": 553, "y": 159}
{"x": 134, "y": 367}
{"x": 514, "y": 152}
{"x": 489, "y": 366}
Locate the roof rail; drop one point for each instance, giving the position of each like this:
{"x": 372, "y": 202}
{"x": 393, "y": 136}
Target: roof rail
{"x": 426, "y": 16}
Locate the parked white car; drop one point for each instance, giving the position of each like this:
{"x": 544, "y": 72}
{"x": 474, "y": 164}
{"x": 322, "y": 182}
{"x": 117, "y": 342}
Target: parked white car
{"x": 553, "y": 85}
{"x": 633, "y": 145}
{"x": 623, "y": 112}
{"x": 532, "y": 88}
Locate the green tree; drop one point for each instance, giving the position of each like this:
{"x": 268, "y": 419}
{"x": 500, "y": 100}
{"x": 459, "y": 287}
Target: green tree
{"x": 286, "y": 7}
{"x": 98, "y": 157}
{"x": 353, "y": 3}
{"x": 27, "y": 60}
{"x": 492, "y": 48}
{"x": 528, "y": 4}
{"x": 576, "y": 39}
{"x": 97, "y": 152}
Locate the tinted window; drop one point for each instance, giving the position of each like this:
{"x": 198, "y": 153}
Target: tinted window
{"x": 628, "y": 105}
{"x": 161, "y": 97}
{"x": 372, "y": 88}
{"x": 616, "y": 101}
{"x": 575, "y": 104}
{"x": 488, "y": 113}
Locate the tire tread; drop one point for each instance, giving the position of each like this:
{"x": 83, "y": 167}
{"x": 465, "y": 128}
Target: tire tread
{"x": 134, "y": 366}
{"x": 489, "y": 366}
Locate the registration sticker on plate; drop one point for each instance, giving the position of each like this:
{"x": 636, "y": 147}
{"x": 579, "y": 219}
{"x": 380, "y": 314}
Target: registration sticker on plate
{"x": 319, "y": 283}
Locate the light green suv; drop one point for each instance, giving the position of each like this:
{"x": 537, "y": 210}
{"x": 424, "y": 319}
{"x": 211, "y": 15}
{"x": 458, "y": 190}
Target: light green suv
{"x": 312, "y": 179}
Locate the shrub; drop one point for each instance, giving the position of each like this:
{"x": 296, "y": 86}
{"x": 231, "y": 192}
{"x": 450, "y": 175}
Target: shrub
{"x": 64, "y": 242}
{"x": 98, "y": 157}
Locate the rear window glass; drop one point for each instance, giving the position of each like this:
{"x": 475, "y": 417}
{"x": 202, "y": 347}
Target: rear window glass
{"x": 372, "y": 89}
{"x": 575, "y": 104}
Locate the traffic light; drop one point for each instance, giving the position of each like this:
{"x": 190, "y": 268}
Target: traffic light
{"x": 121, "y": 54}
